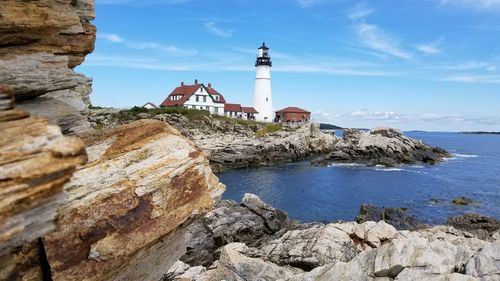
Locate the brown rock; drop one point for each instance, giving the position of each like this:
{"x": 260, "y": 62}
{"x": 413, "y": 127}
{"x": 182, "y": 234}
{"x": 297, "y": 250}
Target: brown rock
{"x": 40, "y": 42}
{"x": 142, "y": 182}
{"x": 35, "y": 162}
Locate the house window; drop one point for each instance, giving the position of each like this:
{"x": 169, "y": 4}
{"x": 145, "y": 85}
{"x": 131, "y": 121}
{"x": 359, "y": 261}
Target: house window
{"x": 216, "y": 110}
{"x": 201, "y": 89}
{"x": 197, "y": 98}
{"x": 193, "y": 106}
{"x": 207, "y": 108}
{"x": 216, "y": 97}
{"x": 204, "y": 98}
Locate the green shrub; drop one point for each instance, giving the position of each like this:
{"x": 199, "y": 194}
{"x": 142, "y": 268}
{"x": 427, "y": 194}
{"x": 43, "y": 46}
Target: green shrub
{"x": 271, "y": 128}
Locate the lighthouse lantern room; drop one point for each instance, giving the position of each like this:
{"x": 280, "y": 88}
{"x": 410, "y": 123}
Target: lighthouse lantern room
{"x": 262, "y": 98}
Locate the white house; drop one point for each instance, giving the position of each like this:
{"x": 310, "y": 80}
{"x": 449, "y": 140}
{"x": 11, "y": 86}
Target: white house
{"x": 150, "y": 105}
{"x": 197, "y": 96}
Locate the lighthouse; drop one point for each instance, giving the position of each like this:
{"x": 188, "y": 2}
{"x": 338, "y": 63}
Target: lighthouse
{"x": 262, "y": 99}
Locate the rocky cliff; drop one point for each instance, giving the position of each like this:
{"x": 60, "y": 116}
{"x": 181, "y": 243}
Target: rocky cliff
{"x": 111, "y": 204}
{"x": 41, "y": 42}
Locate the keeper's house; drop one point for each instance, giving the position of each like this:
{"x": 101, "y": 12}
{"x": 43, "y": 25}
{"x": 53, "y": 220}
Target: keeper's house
{"x": 197, "y": 96}
{"x": 201, "y": 97}
{"x": 293, "y": 115}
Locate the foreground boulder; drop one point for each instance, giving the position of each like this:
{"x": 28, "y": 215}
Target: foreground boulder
{"x": 124, "y": 209}
{"x": 253, "y": 222}
{"x": 382, "y": 146}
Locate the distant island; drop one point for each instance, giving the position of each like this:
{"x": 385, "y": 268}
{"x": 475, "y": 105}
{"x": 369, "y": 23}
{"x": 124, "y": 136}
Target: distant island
{"x": 481, "y": 133}
{"x": 324, "y": 126}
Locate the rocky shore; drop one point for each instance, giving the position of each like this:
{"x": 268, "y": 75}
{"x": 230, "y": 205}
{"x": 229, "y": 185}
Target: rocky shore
{"x": 237, "y": 144}
{"x": 231, "y": 143}
{"x": 254, "y": 241}
{"x": 384, "y": 147}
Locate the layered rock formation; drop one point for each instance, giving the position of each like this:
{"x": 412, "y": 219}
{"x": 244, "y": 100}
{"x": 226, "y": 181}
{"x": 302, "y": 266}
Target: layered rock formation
{"x": 121, "y": 217}
{"x": 345, "y": 251}
{"x": 382, "y": 146}
{"x": 40, "y": 43}
{"x": 36, "y": 160}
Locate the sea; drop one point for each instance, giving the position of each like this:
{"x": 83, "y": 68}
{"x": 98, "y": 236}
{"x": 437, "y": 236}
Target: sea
{"x": 325, "y": 194}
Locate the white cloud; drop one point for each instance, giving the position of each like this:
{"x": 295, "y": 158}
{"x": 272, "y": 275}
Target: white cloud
{"x": 168, "y": 49}
{"x": 374, "y": 38}
{"x": 470, "y": 65}
{"x": 110, "y": 37}
{"x": 212, "y": 28}
{"x": 360, "y": 11}
{"x": 493, "y": 5}
{"x": 473, "y": 79}
{"x": 431, "y": 48}
{"x": 307, "y": 3}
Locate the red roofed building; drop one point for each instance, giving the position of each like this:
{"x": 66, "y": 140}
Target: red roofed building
{"x": 293, "y": 115}
{"x": 196, "y": 96}
{"x": 238, "y": 111}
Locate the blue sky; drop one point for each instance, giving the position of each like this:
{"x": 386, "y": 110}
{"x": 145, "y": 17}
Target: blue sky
{"x": 409, "y": 64}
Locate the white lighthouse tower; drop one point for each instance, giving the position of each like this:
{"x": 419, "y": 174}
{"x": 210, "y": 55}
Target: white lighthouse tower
{"x": 262, "y": 99}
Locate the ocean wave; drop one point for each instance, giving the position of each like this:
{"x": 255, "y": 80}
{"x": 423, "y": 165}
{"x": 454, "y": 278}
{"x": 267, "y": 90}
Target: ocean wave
{"x": 345, "y": 165}
{"x": 389, "y": 169}
{"x": 458, "y": 155}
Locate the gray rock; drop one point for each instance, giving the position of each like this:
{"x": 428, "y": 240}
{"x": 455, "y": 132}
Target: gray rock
{"x": 486, "y": 263}
{"x": 382, "y": 146}
{"x": 397, "y": 217}
{"x": 481, "y": 226}
{"x": 234, "y": 266}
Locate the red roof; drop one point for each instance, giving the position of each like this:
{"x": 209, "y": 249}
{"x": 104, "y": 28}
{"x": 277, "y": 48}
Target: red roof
{"x": 186, "y": 91}
{"x": 292, "y": 109}
{"x": 232, "y": 107}
{"x": 214, "y": 92}
{"x": 249, "y": 110}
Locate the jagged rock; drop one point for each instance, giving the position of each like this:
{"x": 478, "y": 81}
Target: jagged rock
{"x": 483, "y": 227}
{"x": 40, "y": 43}
{"x": 382, "y": 146}
{"x": 274, "y": 219}
{"x": 397, "y": 217}
{"x": 234, "y": 266}
{"x": 462, "y": 201}
{"x": 252, "y": 223}
{"x": 485, "y": 264}
{"x": 310, "y": 248}
{"x": 124, "y": 209}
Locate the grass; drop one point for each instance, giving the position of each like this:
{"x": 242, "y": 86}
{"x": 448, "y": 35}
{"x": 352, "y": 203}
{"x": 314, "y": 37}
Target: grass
{"x": 271, "y": 128}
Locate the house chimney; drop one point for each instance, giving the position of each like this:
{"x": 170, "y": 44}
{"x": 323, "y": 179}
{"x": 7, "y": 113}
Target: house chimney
{"x": 209, "y": 85}
{"x": 196, "y": 81}
{"x": 182, "y": 84}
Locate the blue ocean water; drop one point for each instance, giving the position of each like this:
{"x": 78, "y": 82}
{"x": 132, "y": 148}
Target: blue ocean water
{"x": 323, "y": 194}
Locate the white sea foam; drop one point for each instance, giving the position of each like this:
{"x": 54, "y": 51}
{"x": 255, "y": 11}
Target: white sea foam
{"x": 345, "y": 165}
{"x": 390, "y": 169}
{"x": 458, "y": 155}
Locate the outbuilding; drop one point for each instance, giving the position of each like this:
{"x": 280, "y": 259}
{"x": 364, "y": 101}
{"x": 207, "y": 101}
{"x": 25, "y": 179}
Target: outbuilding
{"x": 292, "y": 115}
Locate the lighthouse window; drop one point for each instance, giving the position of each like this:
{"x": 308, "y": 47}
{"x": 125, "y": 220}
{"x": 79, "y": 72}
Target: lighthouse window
{"x": 267, "y": 99}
